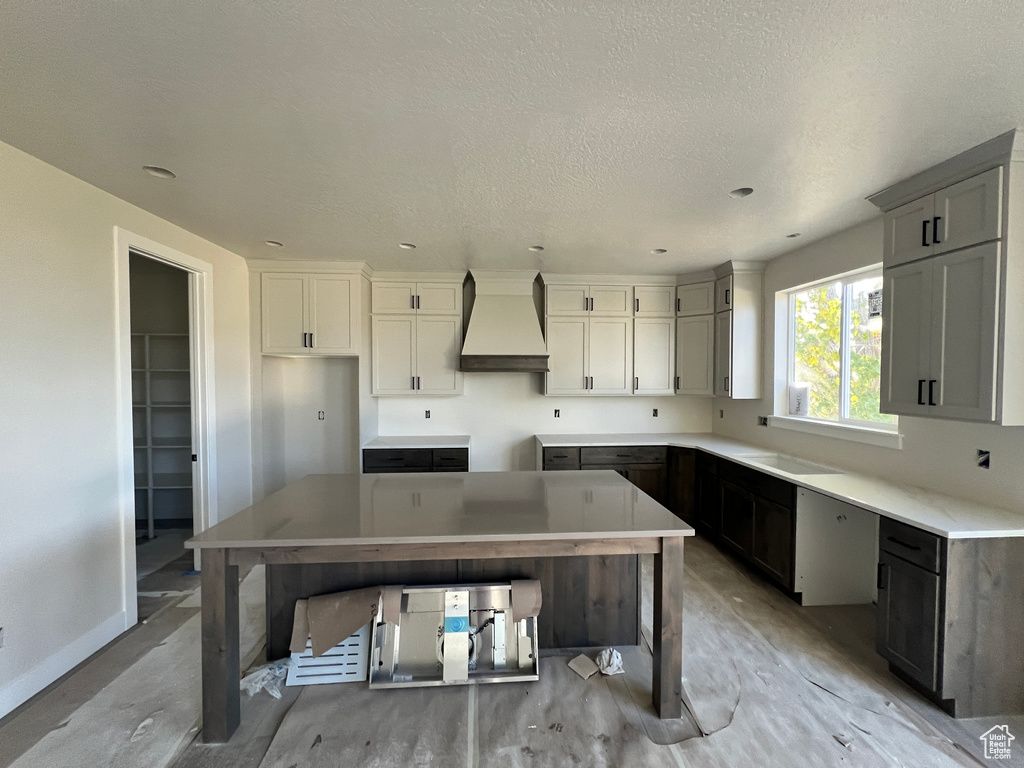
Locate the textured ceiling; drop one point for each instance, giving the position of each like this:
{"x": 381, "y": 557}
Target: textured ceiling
{"x": 600, "y": 130}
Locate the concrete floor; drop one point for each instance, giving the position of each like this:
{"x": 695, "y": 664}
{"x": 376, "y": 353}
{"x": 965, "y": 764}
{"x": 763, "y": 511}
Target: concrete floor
{"x": 768, "y": 683}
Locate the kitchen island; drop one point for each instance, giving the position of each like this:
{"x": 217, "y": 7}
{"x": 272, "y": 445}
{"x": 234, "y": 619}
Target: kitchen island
{"x": 445, "y": 528}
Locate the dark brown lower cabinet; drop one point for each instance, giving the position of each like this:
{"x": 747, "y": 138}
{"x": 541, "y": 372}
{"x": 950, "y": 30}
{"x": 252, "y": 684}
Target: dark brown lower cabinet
{"x": 643, "y": 465}
{"x": 737, "y": 519}
{"x": 708, "y": 496}
{"x": 401, "y": 460}
{"x": 774, "y": 547}
{"x": 681, "y": 484}
{"x": 907, "y": 624}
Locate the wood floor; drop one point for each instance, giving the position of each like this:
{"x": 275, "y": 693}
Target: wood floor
{"x": 768, "y": 684}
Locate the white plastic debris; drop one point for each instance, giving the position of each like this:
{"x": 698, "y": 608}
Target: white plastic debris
{"x": 269, "y": 676}
{"x": 609, "y": 661}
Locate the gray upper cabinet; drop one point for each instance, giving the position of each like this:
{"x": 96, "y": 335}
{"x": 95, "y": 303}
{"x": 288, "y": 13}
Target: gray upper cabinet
{"x": 953, "y": 321}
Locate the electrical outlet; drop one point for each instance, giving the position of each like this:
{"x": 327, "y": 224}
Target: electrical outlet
{"x": 984, "y": 459}
{"x": 655, "y": 413}
{"x": 762, "y": 421}
{"x": 320, "y": 415}
{"x": 721, "y": 414}
{"x": 426, "y": 414}
{"x": 558, "y": 413}
{"x": 1, "y": 637}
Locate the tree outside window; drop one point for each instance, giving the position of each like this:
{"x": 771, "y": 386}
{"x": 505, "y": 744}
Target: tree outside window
{"x": 837, "y": 349}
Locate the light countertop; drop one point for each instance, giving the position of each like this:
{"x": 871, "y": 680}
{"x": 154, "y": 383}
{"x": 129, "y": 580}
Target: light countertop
{"x": 939, "y": 513}
{"x": 419, "y": 441}
{"x": 445, "y": 507}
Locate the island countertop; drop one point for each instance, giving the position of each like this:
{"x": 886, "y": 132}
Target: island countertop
{"x": 443, "y": 508}
{"x": 939, "y": 513}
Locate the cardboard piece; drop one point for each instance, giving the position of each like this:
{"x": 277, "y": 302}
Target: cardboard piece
{"x": 583, "y": 666}
{"x": 329, "y": 619}
{"x": 526, "y": 598}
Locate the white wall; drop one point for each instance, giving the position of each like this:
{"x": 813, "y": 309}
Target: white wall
{"x": 61, "y": 554}
{"x": 936, "y": 454}
{"x": 503, "y": 411}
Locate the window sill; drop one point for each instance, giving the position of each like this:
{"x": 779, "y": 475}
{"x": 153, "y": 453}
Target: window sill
{"x": 881, "y": 437}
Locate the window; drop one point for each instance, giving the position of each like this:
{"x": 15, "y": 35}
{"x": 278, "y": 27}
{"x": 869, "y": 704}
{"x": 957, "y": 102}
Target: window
{"x": 836, "y": 350}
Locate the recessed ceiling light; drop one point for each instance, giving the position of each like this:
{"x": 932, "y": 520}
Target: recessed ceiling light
{"x": 536, "y": 248}
{"x": 274, "y": 243}
{"x": 660, "y": 251}
{"x": 741, "y": 192}
{"x": 160, "y": 173}
{"x": 795, "y": 234}
{"x": 407, "y": 246}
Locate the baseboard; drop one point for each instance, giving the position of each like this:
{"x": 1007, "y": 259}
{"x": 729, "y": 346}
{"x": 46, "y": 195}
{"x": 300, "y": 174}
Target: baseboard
{"x": 36, "y": 679}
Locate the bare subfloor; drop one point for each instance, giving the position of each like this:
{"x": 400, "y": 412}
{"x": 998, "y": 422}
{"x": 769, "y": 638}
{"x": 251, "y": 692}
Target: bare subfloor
{"x": 768, "y": 683}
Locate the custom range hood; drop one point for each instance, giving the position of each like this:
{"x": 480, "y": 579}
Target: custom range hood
{"x": 503, "y": 333}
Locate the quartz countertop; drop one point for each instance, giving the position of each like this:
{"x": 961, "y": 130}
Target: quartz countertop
{"x": 939, "y": 513}
{"x": 419, "y": 441}
{"x": 443, "y": 508}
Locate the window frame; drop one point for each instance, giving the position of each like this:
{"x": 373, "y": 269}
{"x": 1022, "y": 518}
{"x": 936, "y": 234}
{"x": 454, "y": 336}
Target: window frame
{"x": 844, "y": 421}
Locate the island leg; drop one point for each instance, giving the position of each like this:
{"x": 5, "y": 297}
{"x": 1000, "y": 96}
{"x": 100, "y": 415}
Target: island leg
{"x": 221, "y": 696}
{"x": 668, "y": 628}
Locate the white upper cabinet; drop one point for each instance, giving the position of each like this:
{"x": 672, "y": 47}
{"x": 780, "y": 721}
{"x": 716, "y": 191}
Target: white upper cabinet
{"x": 723, "y": 354}
{"x": 568, "y": 341}
{"x": 695, "y": 350}
{"x": 589, "y": 356}
{"x": 394, "y": 355}
{"x": 573, "y": 299}
{"x": 953, "y": 319}
{"x": 654, "y": 300}
{"x": 404, "y": 298}
{"x": 959, "y": 216}
{"x": 723, "y": 293}
{"x": 654, "y": 355}
{"x": 309, "y": 314}
{"x": 695, "y": 299}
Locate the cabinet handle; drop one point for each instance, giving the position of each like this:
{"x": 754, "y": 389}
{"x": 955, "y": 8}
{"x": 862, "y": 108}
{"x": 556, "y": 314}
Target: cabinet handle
{"x": 303, "y": 340}
{"x": 591, "y": 382}
{"x": 637, "y": 304}
{"x": 935, "y": 230}
{"x": 396, "y": 458}
{"x": 931, "y": 391}
{"x": 413, "y": 383}
{"x": 920, "y": 392}
{"x": 636, "y": 382}
{"x": 417, "y": 301}
{"x": 726, "y": 383}
{"x": 418, "y": 383}
{"x": 591, "y": 305}
{"x": 677, "y": 382}
{"x": 904, "y": 544}
{"x": 677, "y": 305}
{"x": 727, "y": 291}
{"x": 412, "y": 301}
{"x": 560, "y": 456}
{"x": 310, "y": 340}
{"x": 880, "y": 581}
{"x": 924, "y": 233}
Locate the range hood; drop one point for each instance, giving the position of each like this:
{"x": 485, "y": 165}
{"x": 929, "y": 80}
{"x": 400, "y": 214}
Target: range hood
{"x": 503, "y": 334}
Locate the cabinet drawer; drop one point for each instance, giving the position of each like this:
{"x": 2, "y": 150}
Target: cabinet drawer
{"x": 561, "y": 458}
{"x": 377, "y": 459}
{"x": 451, "y": 459}
{"x": 911, "y": 544}
{"x": 632, "y": 454}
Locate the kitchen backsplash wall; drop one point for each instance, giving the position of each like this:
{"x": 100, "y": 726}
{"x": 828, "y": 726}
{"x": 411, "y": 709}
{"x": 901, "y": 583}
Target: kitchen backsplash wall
{"x": 503, "y": 411}
{"x": 936, "y": 454}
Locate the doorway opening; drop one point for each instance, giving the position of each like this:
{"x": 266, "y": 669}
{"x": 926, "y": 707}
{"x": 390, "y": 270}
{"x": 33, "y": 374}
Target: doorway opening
{"x": 161, "y": 430}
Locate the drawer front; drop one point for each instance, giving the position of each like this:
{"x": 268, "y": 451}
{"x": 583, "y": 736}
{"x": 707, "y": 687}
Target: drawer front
{"x": 707, "y": 462}
{"x": 451, "y": 459}
{"x": 775, "y": 490}
{"x": 911, "y": 544}
{"x": 378, "y": 459}
{"x": 632, "y": 454}
{"x": 561, "y": 458}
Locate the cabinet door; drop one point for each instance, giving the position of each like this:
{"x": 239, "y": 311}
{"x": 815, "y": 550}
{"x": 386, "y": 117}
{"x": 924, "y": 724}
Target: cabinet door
{"x": 695, "y": 355}
{"x": 394, "y": 355}
{"x": 650, "y": 479}
{"x": 965, "y": 287}
{"x": 438, "y": 298}
{"x": 567, "y": 299}
{"x": 682, "y": 484}
{"x": 654, "y": 300}
{"x": 610, "y": 357}
{"x": 723, "y": 293}
{"x": 723, "y": 354}
{"x": 908, "y": 232}
{"x": 394, "y": 298}
{"x": 568, "y": 345}
{"x": 654, "y": 355}
{"x": 283, "y": 306}
{"x": 438, "y": 344}
{"x": 696, "y": 299}
{"x": 907, "y": 618}
{"x": 774, "y": 540}
{"x": 906, "y": 339}
{"x": 737, "y": 518}
{"x": 611, "y": 300}
{"x": 970, "y": 212}
{"x": 709, "y": 504}
{"x": 331, "y": 316}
